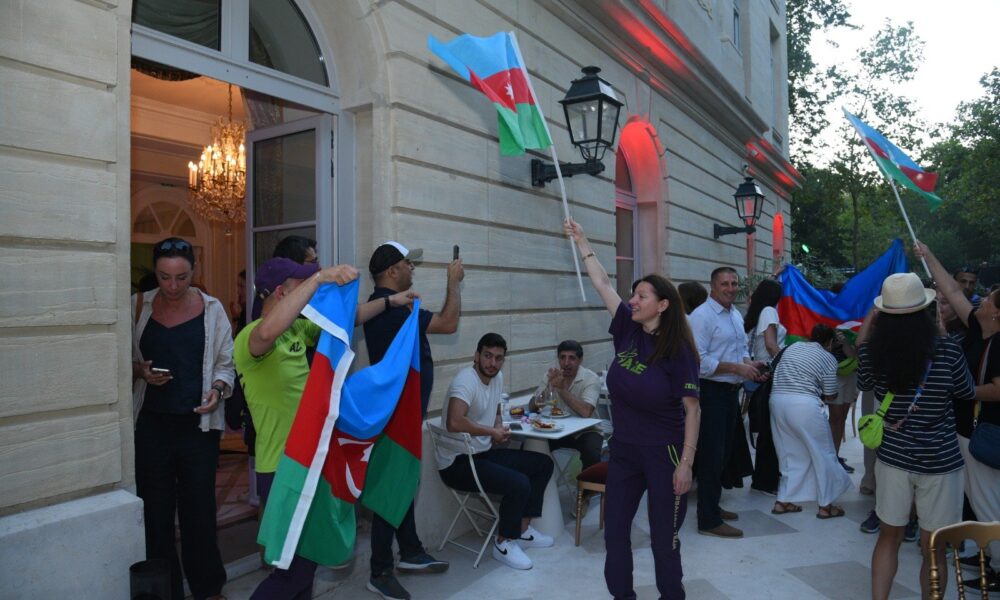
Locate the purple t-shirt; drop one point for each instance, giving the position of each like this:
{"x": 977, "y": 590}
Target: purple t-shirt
{"x": 646, "y": 398}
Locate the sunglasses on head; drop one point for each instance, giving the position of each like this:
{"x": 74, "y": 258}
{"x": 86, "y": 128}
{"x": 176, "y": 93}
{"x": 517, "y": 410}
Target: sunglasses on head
{"x": 168, "y": 245}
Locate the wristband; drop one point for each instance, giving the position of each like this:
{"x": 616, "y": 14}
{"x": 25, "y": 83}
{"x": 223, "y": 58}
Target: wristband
{"x": 219, "y": 389}
{"x": 589, "y": 255}
{"x": 387, "y": 305}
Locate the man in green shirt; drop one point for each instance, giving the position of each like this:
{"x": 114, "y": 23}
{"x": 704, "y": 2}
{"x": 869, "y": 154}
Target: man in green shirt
{"x": 270, "y": 354}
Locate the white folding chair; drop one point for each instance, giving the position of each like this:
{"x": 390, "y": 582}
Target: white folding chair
{"x": 488, "y": 515}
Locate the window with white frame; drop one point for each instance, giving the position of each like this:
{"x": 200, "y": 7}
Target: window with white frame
{"x": 626, "y": 228}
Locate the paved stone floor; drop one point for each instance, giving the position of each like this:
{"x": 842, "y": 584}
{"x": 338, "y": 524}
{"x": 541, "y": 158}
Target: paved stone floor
{"x": 792, "y": 556}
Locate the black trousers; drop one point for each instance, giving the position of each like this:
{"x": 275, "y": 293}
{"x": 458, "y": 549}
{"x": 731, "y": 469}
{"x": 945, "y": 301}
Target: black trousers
{"x": 719, "y": 410}
{"x": 765, "y": 470}
{"x": 175, "y": 465}
{"x": 518, "y": 476}
{"x": 382, "y": 534}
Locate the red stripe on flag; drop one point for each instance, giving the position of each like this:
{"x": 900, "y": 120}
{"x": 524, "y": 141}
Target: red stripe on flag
{"x": 507, "y": 88}
{"x": 876, "y": 148}
{"x": 799, "y": 320}
{"x": 346, "y": 465}
{"x": 308, "y": 425}
{"x": 923, "y": 180}
{"x": 404, "y": 426}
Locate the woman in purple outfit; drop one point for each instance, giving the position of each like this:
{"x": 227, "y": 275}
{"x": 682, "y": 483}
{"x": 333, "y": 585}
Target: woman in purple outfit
{"x": 653, "y": 382}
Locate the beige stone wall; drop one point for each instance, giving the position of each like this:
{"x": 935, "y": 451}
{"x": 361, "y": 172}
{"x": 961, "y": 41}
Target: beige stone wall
{"x": 438, "y": 178}
{"x": 65, "y": 417}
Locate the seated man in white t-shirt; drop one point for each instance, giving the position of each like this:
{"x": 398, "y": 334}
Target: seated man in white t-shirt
{"x": 518, "y": 476}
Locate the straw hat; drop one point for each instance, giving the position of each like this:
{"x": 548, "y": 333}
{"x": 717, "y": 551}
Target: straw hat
{"x": 903, "y": 293}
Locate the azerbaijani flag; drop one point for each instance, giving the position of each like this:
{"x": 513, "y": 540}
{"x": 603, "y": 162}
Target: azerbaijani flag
{"x": 802, "y": 306}
{"x": 494, "y": 66}
{"x": 895, "y": 163}
{"x": 321, "y": 475}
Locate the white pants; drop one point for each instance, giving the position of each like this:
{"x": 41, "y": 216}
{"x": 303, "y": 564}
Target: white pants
{"x": 808, "y": 462}
{"x": 982, "y": 486}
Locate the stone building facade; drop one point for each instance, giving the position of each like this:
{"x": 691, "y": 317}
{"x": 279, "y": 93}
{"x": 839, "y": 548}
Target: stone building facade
{"x": 413, "y": 156}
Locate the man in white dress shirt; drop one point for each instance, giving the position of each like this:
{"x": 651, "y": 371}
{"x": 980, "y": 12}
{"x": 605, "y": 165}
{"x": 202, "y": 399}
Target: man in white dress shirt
{"x": 725, "y": 363}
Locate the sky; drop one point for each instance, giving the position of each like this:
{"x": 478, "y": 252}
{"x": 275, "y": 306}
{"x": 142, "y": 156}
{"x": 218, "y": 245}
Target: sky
{"x": 960, "y": 47}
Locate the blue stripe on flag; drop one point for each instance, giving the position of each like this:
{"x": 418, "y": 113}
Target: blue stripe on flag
{"x": 484, "y": 56}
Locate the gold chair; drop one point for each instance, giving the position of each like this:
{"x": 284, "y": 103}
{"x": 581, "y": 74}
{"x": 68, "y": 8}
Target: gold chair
{"x": 954, "y": 535}
{"x": 592, "y": 479}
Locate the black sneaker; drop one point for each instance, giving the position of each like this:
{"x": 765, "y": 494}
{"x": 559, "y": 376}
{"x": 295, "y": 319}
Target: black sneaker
{"x": 385, "y": 585}
{"x": 872, "y": 524}
{"x": 992, "y": 582}
{"x": 846, "y": 466}
{"x": 422, "y": 563}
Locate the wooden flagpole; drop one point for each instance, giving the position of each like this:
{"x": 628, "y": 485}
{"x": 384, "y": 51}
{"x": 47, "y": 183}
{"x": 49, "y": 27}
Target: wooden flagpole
{"x": 555, "y": 159}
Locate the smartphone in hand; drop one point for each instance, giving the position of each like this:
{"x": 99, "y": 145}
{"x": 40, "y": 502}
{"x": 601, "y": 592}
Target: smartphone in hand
{"x": 454, "y": 252}
{"x": 160, "y": 370}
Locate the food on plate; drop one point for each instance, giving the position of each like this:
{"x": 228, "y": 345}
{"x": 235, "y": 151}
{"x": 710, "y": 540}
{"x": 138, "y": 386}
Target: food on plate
{"x": 517, "y": 411}
{"x": 544, "y": 425}
{"x": 557, "y": 412}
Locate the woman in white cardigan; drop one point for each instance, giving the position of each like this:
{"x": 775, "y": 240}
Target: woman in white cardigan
{"x": 182, "y": 369}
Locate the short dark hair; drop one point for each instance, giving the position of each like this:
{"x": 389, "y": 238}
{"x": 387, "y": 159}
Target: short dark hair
{"x": 173, "y": 247}
{"x": 491, "y": 340}
{"x": 967, "y": 269}
{"x": 294, "y": 247}
{"x": 570, "y": 346}
{"x": 693, "y": 294}
{"x": 720, "y": 270}
{"x": 821, "y": 334}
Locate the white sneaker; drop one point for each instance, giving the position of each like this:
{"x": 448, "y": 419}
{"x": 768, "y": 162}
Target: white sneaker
{"x": 510, "y": 554}
{"x": 532, "y": 538}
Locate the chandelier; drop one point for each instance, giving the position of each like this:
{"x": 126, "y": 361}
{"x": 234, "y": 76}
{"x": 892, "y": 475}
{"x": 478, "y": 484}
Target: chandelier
{"x": 217, "y": 184}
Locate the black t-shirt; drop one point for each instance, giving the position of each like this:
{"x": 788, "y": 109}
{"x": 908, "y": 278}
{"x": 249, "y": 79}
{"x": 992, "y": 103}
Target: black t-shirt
{"x": 380, "y": 331}
{"x": 974, "y": 346}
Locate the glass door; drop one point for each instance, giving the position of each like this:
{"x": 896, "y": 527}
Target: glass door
{"x": 290, "y": 188}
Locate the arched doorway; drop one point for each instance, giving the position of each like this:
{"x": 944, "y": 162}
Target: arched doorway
{"x": 186, "y": 58}
{"x": 640, "y": 216}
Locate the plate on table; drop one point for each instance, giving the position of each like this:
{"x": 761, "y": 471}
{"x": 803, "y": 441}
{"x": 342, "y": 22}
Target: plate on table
{"x": 545, "y": 426}
{"x": 558, "y": 415}
{"x": 517, "y": 412}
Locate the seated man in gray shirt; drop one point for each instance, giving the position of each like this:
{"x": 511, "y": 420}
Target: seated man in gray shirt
{"x": 572, "y": 389}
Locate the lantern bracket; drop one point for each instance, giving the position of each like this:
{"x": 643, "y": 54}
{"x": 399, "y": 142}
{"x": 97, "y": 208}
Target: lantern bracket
{"x": 543, "y": 172}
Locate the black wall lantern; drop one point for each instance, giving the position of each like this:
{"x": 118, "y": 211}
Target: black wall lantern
{"x": 749, "y": 203}
{"x": 591, "y": 109}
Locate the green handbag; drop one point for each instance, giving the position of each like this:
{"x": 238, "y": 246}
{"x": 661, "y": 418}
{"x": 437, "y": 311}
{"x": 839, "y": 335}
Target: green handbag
{"x": 870, "y": 427}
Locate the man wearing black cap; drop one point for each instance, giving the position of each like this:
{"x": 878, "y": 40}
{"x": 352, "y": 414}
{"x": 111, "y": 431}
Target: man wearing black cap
{"x": 270, "y": 355}
{"x": 391, "y": 266}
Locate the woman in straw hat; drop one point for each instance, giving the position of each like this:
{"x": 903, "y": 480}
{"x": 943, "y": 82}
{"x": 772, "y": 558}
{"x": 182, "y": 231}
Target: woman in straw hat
{"x": 919, "y": 461}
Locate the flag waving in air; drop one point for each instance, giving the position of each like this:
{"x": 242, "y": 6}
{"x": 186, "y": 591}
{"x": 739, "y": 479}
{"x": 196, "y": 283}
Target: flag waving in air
{"x": 494, "y": 66}
{"x": 325, "y": 467}
{"x": 895, "y": 163}
{"x": 802, "y": 306}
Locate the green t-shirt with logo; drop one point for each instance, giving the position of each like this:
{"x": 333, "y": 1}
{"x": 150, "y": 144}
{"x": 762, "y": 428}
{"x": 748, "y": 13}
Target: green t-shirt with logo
{"x": 273, "y": 386}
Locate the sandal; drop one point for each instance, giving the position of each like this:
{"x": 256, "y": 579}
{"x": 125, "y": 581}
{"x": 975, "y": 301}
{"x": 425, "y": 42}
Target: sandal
{"x": 829, "y": 512}
{"x": 781, "y": 508}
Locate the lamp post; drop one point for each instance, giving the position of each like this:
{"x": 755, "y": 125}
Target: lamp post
{"x": 591, "y": 109}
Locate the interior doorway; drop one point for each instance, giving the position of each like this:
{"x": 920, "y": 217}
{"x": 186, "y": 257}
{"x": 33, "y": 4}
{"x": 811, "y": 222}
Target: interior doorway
{"x": 173, "y": 113}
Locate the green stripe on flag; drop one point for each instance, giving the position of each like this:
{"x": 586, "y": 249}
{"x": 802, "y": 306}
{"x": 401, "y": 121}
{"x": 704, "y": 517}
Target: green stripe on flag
{"x": 391, "y": 482}
{"x": 520, "y": 130}
{"x": 893, "y": 171}
{"x": 328, "y": 534}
